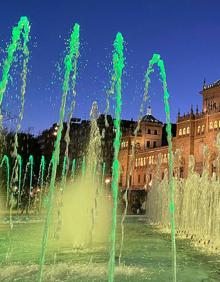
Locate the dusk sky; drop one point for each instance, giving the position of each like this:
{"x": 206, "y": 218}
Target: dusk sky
{"x": 184, "y": 33}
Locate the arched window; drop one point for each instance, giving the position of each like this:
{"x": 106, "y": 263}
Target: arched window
{"x": 141, "y": 161}
{"x": 199, "y": 128}
{"x": 188, "y": 130}
{"x": 144, "y": 161}
{"x": 165, "y": 158}
{"x": 184, "y": 131}
{"x": 136, "y": 162}
{"x": 215, "y": 124}
{"x": 180, "y": 132}
{"x": 203, "y": 128}
{"x": 149, "y": 160}
{"x": 211, "y": 125}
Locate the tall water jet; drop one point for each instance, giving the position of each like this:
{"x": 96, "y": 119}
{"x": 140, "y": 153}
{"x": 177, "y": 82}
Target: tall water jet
{"x": 5, "y": 160}
{"x": 21, "y": 30}
{"x": 83, "y": 166}
{"x": 64, "y": 171}
{"x": 118, "y": 66}
{"x": 73, "y": 169}
{"x": 72, "y": 105}
{"x": 69, "y": 67}
{"x": 93, "y": 163}
{"x": 40, "y": 181}
{"x": 19, "y": 160}
{"x": 156, "y": 60}
{"x": 31, "y": 165}
{"x": 103, "y": 173}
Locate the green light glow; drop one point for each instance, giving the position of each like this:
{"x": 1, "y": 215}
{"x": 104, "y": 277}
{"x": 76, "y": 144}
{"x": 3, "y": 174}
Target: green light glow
{"x": 31, "y": 165}
{"x": 73, "y": 169}
{"x": 84, "y": 166}
{"x": 69, "y": 68}
{"x": 41, "y": 179}
{"x": 64, "y": 171}
{"x": 118, "y": 65}
{"x": 6, "y": 161}
{"x": 156, "y": 60}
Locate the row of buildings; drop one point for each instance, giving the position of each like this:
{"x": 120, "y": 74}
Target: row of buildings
{"x": 191, "y": 133}
{"x": 195, "y": 134}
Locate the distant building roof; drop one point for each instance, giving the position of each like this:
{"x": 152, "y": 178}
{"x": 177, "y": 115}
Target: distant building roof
{"x": 150, "y": 118}
{"x": 207, "y": 86}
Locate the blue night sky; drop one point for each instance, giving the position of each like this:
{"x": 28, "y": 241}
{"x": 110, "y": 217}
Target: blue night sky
{"x": 185, "y": 33}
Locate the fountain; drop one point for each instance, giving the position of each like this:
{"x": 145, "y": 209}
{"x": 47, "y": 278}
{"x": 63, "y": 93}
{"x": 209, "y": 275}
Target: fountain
{"x": 70, "y": 230}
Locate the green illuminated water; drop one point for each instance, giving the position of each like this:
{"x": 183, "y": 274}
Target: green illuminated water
{"x": 73, "y": 169}
{"x": 5, "y": 161}
{"x": 21, "y": 30}
{"x": 31, "y": 166}
{"x": 64, "y": 171}
{"x": 156, "y": 60}
{"x": 137, "y": 264}
{"x": 103, "y": 173}
{"x": 118, "y": 65}
{"x": 83, "y": 166}
{"x": 40, "y": 181}
{"x": 69, "y": 67}
{"x": 19, "y": 160}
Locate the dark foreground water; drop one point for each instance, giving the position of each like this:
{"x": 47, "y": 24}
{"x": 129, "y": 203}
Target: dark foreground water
{"x": 146, "y": 257}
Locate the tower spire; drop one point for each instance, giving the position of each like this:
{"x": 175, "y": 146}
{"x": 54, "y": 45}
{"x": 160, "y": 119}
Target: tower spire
{"x": 204, "y": 83}
{"x": 149, "y": 111}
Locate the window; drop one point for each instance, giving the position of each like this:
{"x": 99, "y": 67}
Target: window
{"x": 198, "y": 130}
{"x": 150, "y": 177}
{"x": 120, "y": 183}
{"x": 188, "y": 130}
{"x": 215, "y": 124}
{"x": 181, "y": 172}
{"x": 144, "y": 161}
{"x": 141, "y": 161}
{"x": 155, "y": 132}
{"x": 130, "y": 179}
{"x": 203, "y": 128}
{"x": 184, "y": 131}
{"x": 148, "y": 131}
{"x": 139, "y": 178}
{"x": 138, "y": 145}
{"x": 162, "y": 175}
{"x": 148, "y": 144}
{"x": 211, "y": 125}
{"x": 165, "y": 158}
{"x": 136, "y": 162}
{"x": 155, "y": 144}
{"x": 180, "y": 132}
{"x": 213, "y": 168}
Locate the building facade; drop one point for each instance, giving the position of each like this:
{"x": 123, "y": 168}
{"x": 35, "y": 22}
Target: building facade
{"x": 195, "y": 134}
{"x": 79, "y": 135}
